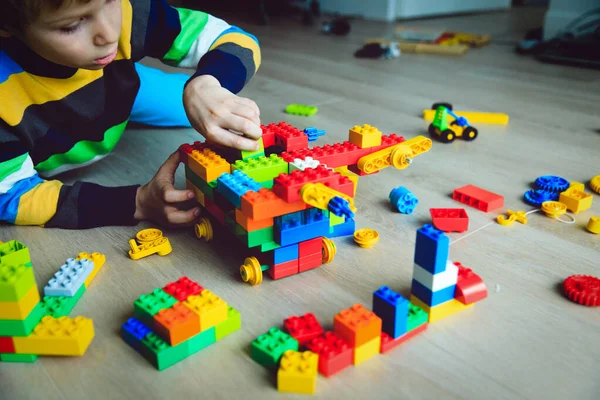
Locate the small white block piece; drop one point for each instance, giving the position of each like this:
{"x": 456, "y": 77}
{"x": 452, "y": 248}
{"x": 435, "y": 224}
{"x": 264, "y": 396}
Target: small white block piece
{"x": 300, "y": 164}
{"x": 439, "y": 281}
{"x": 70, "y": 277}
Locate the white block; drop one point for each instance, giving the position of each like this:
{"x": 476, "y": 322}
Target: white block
{"x": 438, "y": 281}
{"x": 299, "y": 164}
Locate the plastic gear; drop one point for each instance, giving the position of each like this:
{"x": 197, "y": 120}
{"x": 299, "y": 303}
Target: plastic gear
{"x": 583, "y": 289}
{"x": 595, "y": 184}
{"x": 553, "y": 209}
{"x": 537, "y": 197}
{"x": 340, "y": 207}
{"x": 366, "y": 237}
{"x": 552, "y": 183}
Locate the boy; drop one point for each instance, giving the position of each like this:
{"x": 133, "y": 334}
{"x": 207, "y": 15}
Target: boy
{"x": 69, "y": 85}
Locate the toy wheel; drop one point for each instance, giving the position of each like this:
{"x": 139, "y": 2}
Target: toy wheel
{"x": 204, "y": 230}
{"x": 436, "y": 105}
{"x": 251, "y": 271}
{"x": 432, "y": 130}
{"x": 447, "y": 136}
{"x": 401, "y": 157}
{"x": 328, "y": 250}
{"x": 148, "y": 235}
{"x": 469, "y": 133}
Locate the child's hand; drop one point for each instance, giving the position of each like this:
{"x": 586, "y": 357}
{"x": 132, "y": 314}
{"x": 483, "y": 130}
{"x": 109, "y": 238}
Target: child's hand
{"x": 214, "y": 111}
{"x": 155, "y": 201}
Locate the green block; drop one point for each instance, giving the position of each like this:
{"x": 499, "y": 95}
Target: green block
{"x": 254, "y": 154}
{"x": 161, "y": 354}
{"x": 205, "y": 187}
{"x": 231, "y": 324}
{"x": 301, "y": 109}
{"x": 335, "y": 220}
{"x": 253, "y": 238}
{"x": 267, "y": 349}
{"x": 262, "y": 168}
{"x": 149, "y": 304}
{"x": 22, "y": 358}
{"x": 267, "y": 184}
{"x": 61, "y": 306}
{"x": 14, "y": 252}
{"x": 18, "y": 327}
{"x": 416, "y": 317}
{"x": 201, "y": 340}
{"x": 16, "y": 281}
{"x": 269, "y": 246}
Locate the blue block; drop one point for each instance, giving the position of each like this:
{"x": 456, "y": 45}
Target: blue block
{"x": 403, "y": 200}
{"x": 392, "y": 308}
{"x": 432, "y": 298}
{"x": 284, "y": 254}
{"x": 431, "y": 249}
{"x": 300, "y": 226}
{"x": 313, "y": 133}
{"x": 234, "y": 186}
{"x": 345, "y": 229}
{"x": 70, "y": 277}
{"x": 133, "y": 332}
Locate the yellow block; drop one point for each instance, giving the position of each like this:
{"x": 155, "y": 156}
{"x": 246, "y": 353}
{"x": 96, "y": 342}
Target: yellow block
{"x": 365, "y": 351}
{"x": 472, "y": 117}
{"x": 62, "y": 336}
{"x": 592, "y": 226}
{"x": 19, "y": 310}
{"x": 441, "y": 310}
{"x": 199, "y": 195}
{"x": 365, "y": 136}
{"x": 350, "y": 175}
{"x": 576, "y": 200}
{"x": 298, "y": 372}
{"x": 211, "y": 309}
{"x": 98, "y": 259}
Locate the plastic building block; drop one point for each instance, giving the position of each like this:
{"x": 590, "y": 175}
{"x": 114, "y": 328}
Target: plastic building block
{"x": 148, "y": 305}
{"x": 577, "y": 186}
{"x": 214, "y": 210}
{"x": 335, "y": 220}
{"x": 537, "y": 197}
{"x": 222, "y": 202}
{"x": 575, "y": 200}
{"x": 232, "y": 324}
{"x": 340, "y": 207}
{"x": 302, "y": 164}
{"x": 20, "y": 358}
{"x": 313, "y": 133}
{"x": 160, "y": 246}
{"x": 61, "y": 306}
{"x": 367, "y": 351}
{"x": 207, "y": 164}
{"x": 62, "y": 336}
{"x": 20, "y": 309}
{"x": 288, "y": 186}
{"x": 287, "y": 137}
{"x": 403, "y": 200}
{"x": 416, "y": 317}
{"x": 365, "y": 136}
{"x": 431, "y": 249}
{"x": 286, "y": 253}
{"x": 22, "y": 327}
{"x": 266, "y": 247}
{"x": 392, "y": 308}
{"x": 14, "y": 252}
{"x": 335, "y": 354}
{"x": 583, "y": 289}
{"x": 519, "y": 216}
{"x": 552, "y": 183}
{"x": 198, "y": 195}
{"x": 211, "y": 309}
{"x": 183, "y": 288}
{"x": 233, "y": 186}
{"x": 595, "y": 184}
{"x": 265, "y": 204}
{"x": 593, "y": 225}
{"x": 98, "y": 259}
{"x": 470, "y": 288}
{"x": 400, "y": 156}
{"x": 133, "y": 332}
{"x": 320, "y": 196}
{"x": 310, "y": 262}
{"x": 70, "y": 277}
{"x": 301, "y": 109}
{"x": 303, "y": 328}
{"x": 201, "y": 340}
{"x": 298, "y": 227}
{"x": 205, "y": 187}
{"x": 245, "y": 154}
{"x": 251, "y": 271}
{"x": 440, "y": 311}
{"x": 388, "y": 343}
{"x": 439, "y": 281}
{"x": 267, "y": 349}
{"x": 250, "y": 224}
{"x": 283, "y": 270}
{"x": 450, "y": 219}
{"x": 262, "y": 168}
{"x": 176, "y": 324}
{"x": 160, "y": 353}
{"x": 553, "y": 209}
{"x": 6, "y": 344}
{"x": 350, "y": 175}
{"x": 473, "y": 117}
{"x": 298, "y": 372}
{"x": 15, "y": 281}
{"x": 357, "y": 325}
{"x": 310, "y": 247}
{"x": 432, "y": 298}
{"x": 478, "y": 198}
{"x": 366, "y": 237}
{"x": 346, "y": 229}
{"x": 254, "y": 238}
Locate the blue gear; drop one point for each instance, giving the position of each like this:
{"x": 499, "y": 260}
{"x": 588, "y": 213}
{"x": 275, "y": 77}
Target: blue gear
{"x": 537, "y": 197}
{"x": 552, "y": 183}
{"x": 403, "y": 200}
{"x": 313, "y": 133}
{"x": 340, "y": 207}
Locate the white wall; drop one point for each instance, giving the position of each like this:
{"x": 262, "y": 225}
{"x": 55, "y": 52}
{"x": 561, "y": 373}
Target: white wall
{"x": 420, "y": 8}
{"x": 562, "y": 12}
{"x": 371, "y": 9}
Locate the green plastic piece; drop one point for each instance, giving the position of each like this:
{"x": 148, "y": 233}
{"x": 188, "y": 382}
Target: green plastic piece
{"x": 22, "y": 358}
{"x": 416, "y": 317}
{"x": 440, "y": 120}
{"x": 205, "y": 187}
{"x": 201, "y": 340}
{"x": 18, "y": 327}
{"x": 335, "y": 220}
{"x": 267, "y": 349}
{"x": 14, "y": 252}
{"x": 16, "y": 280}
{"x": 61, "y": 306}
{"x": 267, "y": 184}
{"x": 269, "y": 246}
{"x": 161, "y": 354}
{"x": 262, "y": 168}
{"x": 254, "y": 154}
{"x": 301, "y": 109}
{"x": 231, "y": 324}
{"x": 146, "y": 307}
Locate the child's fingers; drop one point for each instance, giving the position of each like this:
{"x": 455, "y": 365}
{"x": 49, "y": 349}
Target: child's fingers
{"x": 172, "y": 195}
{"x": 247, "y": 112}
{"x": 170, "y": 166}
{"x": 230, "y": 139}
{"x": 249, "y": 103}
{"x": 242, "y": 125}
{"x": 182, "y": 217}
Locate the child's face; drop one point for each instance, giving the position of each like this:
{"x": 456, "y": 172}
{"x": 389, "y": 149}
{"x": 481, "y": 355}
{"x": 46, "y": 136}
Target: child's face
{"x": 78, "y": 35}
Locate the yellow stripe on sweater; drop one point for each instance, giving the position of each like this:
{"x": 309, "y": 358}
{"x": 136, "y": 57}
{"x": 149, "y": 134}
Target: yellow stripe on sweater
{"x": 38, "y": 205}
{"x": 241, "y": 40}
{"x": 124, "y": 52}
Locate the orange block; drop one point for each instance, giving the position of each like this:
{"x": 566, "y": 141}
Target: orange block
{"x": 265, "y": 204}
{"x": 357, "y": 325}
{"x": 250, "y": 224}
{"x": 207, "y": 164}
{"x": 176, "y": 324}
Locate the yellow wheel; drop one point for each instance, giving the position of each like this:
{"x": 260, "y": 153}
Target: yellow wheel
{"x": 328, "y": 249}
{"x": 251, "y": 271}
{"x": 553, "y": 209}
{"x": 366, "y": 237}
{"x": 148, "y": 235}
{"x": 595, "y": 184}
{"x": 401, "y": 157}
{"x": 204, "y": 230}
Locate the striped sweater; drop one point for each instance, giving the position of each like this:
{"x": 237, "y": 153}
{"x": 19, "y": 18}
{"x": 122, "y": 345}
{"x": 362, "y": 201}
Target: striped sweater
{"x": 55, "y": 118}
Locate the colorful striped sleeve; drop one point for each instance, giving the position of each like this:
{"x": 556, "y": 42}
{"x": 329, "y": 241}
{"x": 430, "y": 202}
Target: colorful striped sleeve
{"x": 194, "y": 39}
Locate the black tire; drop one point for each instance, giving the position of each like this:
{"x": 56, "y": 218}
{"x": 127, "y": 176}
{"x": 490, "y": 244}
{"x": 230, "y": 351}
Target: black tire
{"x": 470, "y": 133}
{"x": 436, "y": 105}
{"x": 447, "y": 136}
{"x": 432, "y": 131}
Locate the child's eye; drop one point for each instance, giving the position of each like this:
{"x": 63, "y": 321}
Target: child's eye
{"x": 70, "y": 29}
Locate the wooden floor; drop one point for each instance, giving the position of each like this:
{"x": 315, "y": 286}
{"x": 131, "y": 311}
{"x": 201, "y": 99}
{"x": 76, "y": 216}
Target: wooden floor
{"x": 525, "y": 341}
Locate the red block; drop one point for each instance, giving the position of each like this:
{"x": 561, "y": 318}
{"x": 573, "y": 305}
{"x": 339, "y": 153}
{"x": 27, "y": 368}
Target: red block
{"x": 304, "y": 328}
{"x": 335, "y": 354}
{"x": 450, "y": 219}
{"x": 478, "y": 198}
{"x": 284, "y": 269}
{"x": 183, "y": 288}
{"x": 268, "y": 139}
{"x": 310, "y": 247}
{"x": 286, "y": 136}
{"x": 310, "y": 262}
{"x": 354, "y": 168}
{"x": 388, "y": 343}
{"x": 214, "y": 210}
{"x": 6, "y": 344}
{"x": 288, "y": 186}
{"x": 470, "y": 288}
